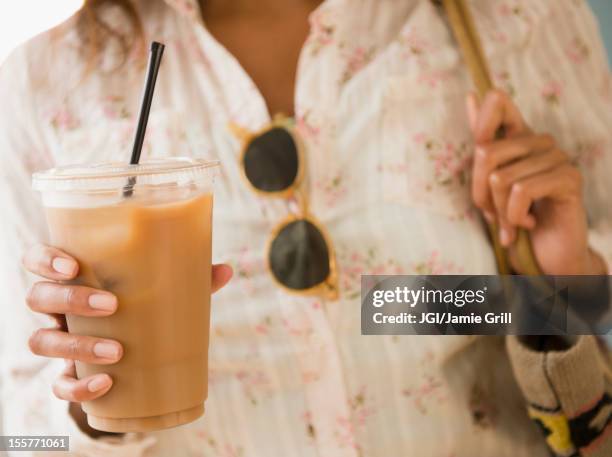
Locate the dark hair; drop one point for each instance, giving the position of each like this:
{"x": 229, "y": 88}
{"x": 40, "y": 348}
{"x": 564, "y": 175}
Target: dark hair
{"x": 96, "y": 32}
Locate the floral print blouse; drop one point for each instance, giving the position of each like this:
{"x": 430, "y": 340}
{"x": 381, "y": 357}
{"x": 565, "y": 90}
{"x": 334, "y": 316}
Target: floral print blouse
{"x": 379, "y": 103}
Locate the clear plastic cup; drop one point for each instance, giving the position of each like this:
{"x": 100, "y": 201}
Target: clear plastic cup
{"x": 142, "y": 232}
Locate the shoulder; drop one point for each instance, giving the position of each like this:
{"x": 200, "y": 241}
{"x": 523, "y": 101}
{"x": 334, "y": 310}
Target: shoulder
{"x": 67, "y": 69}
{"x": 89, "y": 42}
{"x": 500, "y": 13}
{"x": 49, "y": 60}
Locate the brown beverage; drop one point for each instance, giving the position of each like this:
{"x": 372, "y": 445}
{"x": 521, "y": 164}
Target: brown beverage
{"x": 152, "y": 249}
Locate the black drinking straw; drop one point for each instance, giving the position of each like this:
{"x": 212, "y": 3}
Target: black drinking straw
{"x": 155, "y": 56}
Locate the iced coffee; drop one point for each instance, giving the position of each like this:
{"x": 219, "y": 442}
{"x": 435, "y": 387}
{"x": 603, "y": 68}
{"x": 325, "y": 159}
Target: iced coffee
{"x": 151, "y": 247}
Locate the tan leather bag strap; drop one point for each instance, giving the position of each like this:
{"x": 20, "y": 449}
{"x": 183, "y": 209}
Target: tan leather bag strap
{"x": 467, "y": 37}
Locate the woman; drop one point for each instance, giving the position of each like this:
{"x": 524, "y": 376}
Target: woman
{"x": 377, "y": 90}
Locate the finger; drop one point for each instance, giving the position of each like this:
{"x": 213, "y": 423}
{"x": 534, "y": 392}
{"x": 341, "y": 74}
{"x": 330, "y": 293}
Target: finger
{"x": 67, "y": 387}
{"x": 221, "y": 274}
{"x": 493, "y": 155}
{"x": 472, "y": 109}
{"x": 70, "y": 368}
{"x": 502, "y": 179}
{"x": 498, "y": 110}
{"x": 54, "y": 343}
{"x": 563, "y": 184}
{"x": 50, "y": 263}
{"x": 50, "y": 297}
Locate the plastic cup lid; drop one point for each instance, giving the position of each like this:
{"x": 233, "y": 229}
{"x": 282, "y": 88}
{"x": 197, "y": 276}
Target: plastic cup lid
{"x": 111, "y": 176}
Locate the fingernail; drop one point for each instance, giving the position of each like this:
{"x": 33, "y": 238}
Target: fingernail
{"x": 64, "y": 266}
{"x": 100, "y": 382}
{"x": 504, "y": 237}
{"x": 103, "y": 302}
{"x": 106, "y": 350}
{"x": 489, "y": 216}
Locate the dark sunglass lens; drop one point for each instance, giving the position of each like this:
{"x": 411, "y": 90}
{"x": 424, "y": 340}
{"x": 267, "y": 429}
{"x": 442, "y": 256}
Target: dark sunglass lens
{"x": 271, "y": 160}
{"x": 299, "y": 256}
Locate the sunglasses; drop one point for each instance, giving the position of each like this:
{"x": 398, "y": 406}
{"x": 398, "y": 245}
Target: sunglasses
{"x": 300, "y": 256}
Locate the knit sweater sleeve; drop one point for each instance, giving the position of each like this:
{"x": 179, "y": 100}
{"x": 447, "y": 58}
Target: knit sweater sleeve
{"x": 568, "y": 394}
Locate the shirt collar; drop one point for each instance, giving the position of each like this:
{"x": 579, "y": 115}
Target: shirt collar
{"x": 189, "y": 8}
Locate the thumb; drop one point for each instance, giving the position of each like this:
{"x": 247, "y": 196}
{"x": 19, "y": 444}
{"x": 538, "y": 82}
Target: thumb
{"x": 498, "y": 110}
{"x": 221, "y": 274}
{"x": 472, "y": 106}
